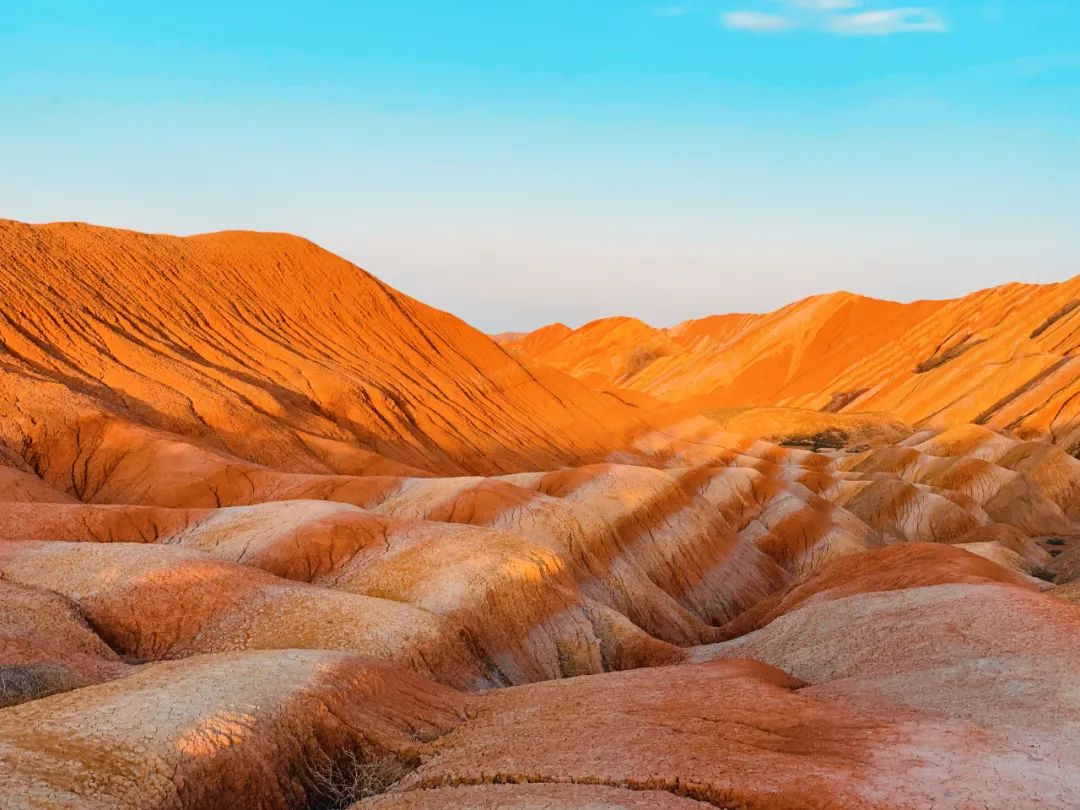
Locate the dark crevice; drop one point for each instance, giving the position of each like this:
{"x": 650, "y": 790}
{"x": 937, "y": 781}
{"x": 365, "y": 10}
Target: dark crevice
{"x": 940, "y": 358}
{"x": 1057, "y": 316}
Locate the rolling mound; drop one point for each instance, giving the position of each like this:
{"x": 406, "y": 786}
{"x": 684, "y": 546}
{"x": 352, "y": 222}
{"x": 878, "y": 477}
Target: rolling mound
{"x": 1007, "y": 358}
{"x": 274, "y": 535}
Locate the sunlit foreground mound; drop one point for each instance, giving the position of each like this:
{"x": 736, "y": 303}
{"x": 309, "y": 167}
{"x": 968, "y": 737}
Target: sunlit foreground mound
{"x": 274, "y": 535}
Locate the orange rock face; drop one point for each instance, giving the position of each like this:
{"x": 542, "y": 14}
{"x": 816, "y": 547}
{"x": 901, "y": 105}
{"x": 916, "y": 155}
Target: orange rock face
{"x": 259, "y": 348}
{"x": 1006, "y": 358}
{"x": 274, "y": 535}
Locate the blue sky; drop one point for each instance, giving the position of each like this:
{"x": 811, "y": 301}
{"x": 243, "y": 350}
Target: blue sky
{"x": 523, "y": 162}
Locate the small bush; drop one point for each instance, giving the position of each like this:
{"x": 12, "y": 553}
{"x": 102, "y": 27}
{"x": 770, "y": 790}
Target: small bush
{"x": 22, "y": 682}
{"x": 830, "y": 439}
{"x": 1044, "y": 574}
{"x": 340, "y": 783}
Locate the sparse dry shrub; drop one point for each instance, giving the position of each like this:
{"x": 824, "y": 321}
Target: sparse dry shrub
{"x": 22, "y": 682}
{"x": 830, "y": 438}
{"x": 339, "y": 783}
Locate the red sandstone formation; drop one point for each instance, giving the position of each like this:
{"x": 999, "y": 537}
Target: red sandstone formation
{"x": 1004, "y": 357}
{"x": 275, "y": 535}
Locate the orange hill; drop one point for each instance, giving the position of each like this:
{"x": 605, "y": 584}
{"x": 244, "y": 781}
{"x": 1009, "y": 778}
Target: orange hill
{"x": 262, "y": 348}
{"x": 1007, "y": 357}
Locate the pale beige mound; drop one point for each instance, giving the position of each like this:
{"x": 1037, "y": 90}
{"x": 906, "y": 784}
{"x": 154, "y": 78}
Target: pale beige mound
{"x": 916, "y": 628}
{"x": 46, "y": 646}
{"x": 517, "y": 598}
{"x": 1066, "y": 567}
{"x": 532, "y": 797}
{"x": 242, "y": 730}
{"x": 894, "y": 568}
{"x": 1010, "y": 538}
{"x": 987, "y": 666}
{"x": 154, "y": 602}
{"x": 1000, "y": 555}
{"x": 741, "y": 734}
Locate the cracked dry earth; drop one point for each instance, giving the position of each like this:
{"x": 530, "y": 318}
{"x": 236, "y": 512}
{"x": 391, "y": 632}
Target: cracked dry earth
{"x": 274, "y": 535}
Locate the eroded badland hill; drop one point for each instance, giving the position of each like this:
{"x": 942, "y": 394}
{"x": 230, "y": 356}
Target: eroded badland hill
{"x": 273, "y": 534}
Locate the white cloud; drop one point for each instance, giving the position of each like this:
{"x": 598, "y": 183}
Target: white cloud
{"x": 757, "y": 22}
{"x": 887, "y": 21}
{"x": 838, "y": 17}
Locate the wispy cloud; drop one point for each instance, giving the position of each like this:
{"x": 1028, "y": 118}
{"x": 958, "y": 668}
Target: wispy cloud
{"x": 888, "y": 21}
{"x": 757, "y": 21}
{"x": 838, "y": 17}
